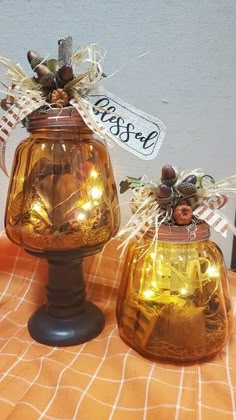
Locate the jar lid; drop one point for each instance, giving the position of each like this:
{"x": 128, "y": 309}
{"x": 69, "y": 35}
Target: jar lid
{"x": 56, "y": 117}
{"x": 173, "y": 233}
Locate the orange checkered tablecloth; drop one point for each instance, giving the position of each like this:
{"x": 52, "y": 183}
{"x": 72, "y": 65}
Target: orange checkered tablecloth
{"x": 102, "y": 379}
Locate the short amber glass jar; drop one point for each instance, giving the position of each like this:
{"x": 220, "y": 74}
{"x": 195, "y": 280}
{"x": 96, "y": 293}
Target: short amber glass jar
{"x": 173, "y": 302}
{"x": 62, "y": 195}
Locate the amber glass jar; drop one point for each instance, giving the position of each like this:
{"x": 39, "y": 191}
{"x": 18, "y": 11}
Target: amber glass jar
{"x": 173, "y": 302}
{"x": 62, "y": 205}
{"x": 62, "y": 195}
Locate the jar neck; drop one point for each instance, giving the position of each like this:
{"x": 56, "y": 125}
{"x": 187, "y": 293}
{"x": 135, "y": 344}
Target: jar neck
{"x": 61, "y": 133}
{"x": 190, "y": 233}
{"x": 57, "y": 121}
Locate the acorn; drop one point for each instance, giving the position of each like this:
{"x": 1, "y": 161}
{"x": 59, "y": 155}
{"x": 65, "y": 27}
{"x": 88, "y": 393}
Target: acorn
{"x": 168, "y": 175}
{"x": 46, "y": 77}
{"x": 66, "y": 73}
{"x": 192, "y": 179}
{"x": 164, "y": 194}
{"x": 42, "y": 70}
{"x": 186, "y": 188}
{"x": 32, "y": 54}
{"x": 163, "y": 191}
{"x": 34, "y": 59}
{"x": 183, "y": 214}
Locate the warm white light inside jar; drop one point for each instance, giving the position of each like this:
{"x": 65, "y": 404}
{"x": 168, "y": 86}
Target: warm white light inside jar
{"x": 173, "y": 303}
{"x": 213, "y": 271}
{"x": 175, "y": 279}
{"x": 95, "y": 192}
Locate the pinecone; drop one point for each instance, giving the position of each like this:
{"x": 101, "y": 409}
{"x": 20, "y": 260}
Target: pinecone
{"x": 186, "y": 188}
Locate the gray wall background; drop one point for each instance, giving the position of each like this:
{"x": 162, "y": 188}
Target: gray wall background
{"x": 187, "y": 79}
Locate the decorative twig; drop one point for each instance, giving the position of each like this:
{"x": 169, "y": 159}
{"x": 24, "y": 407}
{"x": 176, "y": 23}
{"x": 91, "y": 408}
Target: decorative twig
{"x": 64, "y": 50}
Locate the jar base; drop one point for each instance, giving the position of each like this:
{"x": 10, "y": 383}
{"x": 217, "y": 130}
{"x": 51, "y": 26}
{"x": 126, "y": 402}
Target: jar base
{"x": 169, "y": 360}
{"x": 60, "y": 332}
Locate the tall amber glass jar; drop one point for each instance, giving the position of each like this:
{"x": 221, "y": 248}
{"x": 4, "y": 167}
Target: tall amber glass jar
{"x": 173, "y": 302}
{"x": 62, "y": 194}
{"x": 62, "y": 205}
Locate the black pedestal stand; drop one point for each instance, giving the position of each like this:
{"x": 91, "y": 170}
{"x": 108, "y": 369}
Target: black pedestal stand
{"x": 67, "y": 318}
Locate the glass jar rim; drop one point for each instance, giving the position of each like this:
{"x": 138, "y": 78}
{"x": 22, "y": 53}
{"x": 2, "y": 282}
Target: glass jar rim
{"x": 188, "y": 233}
{"x": 56, "y": 117}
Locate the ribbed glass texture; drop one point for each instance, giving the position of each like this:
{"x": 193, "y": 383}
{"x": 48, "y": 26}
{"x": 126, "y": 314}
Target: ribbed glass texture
{"x": 173, "y": 302}
{"x": 62, "y": 195}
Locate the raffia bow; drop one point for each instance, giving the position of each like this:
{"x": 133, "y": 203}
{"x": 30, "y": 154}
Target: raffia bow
{"x": 26, "y": 95}
{"x": 149, "y": 213}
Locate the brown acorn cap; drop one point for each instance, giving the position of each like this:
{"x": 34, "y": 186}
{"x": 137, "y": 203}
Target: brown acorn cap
{"x": 165, "y": 201}
{"x": 36, "y": 61}
{"x": 186, "y": 188}
{"x": 48, "y": 80}
{"x": 169, "y": 182}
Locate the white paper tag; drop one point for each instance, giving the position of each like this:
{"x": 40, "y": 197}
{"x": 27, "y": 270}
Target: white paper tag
{"x": 134, "y": 130}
